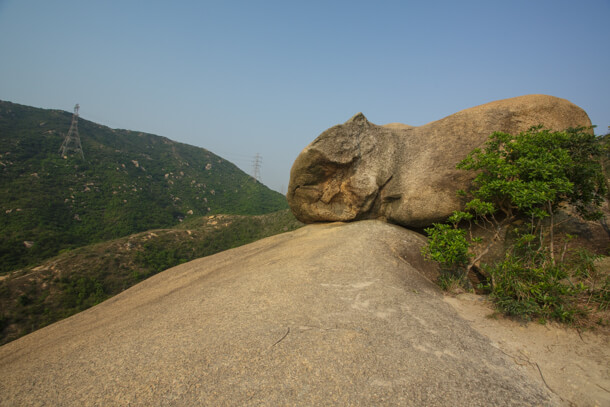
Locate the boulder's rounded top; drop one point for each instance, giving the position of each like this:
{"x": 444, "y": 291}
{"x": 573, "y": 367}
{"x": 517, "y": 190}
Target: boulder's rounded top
{"x": 397, "y": 126}
{"x": 527, "y": 104}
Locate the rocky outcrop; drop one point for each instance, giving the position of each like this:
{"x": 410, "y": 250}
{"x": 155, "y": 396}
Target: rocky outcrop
{"x": 333, "y": 314}
{"x": 406, "y": 175}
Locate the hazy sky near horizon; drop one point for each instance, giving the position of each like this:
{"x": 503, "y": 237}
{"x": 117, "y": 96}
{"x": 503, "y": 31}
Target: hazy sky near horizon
{"x": 246, "y": 77}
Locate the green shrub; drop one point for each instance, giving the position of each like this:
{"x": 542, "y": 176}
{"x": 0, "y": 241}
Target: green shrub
{"x": 81, "y": 293}
{"x": 542, "y": 292}
{"x": 601, "y": 295}
{"x": 448, "y": 246}
{"x": 528, "y": 177}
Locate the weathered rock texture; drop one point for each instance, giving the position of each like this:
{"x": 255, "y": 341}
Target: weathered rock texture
{"x": 333, "y": 314}
{"x": 403, "y": 174}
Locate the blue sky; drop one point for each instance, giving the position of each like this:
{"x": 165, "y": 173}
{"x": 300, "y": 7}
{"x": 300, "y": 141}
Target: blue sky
{"x": 247, "y": 77}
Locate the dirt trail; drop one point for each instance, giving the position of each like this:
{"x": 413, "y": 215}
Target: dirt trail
{"x": 574, "y": 365}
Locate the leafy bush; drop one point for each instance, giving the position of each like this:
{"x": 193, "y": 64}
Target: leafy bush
{"x": 601, "y": 295}
{"x": 532, "y": 174}
{"x": 82, "y": 293}
{"x": 447, "y": 245}
{"x": 528, "y": 177}
{"x": 526, "y": 284}
{"x": 155, "y": 259}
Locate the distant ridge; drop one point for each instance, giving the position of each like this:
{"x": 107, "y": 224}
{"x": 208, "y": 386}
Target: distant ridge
{"x": 129, "y": 182}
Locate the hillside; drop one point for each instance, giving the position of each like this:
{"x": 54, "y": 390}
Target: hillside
{"x": 78, "y": 279}
{"x": 127, "y": 182}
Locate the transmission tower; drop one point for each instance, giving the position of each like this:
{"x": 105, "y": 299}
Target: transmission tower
{"x": 72, "y": 140}
{"x": 256, "y": 167}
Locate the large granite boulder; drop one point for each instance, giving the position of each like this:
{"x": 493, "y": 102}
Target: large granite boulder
{"x": 406, "y": 175}
{"x": 331, "y": 314}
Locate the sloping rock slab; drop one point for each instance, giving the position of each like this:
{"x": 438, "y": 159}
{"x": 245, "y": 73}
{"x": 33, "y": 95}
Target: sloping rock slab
{"x": 332, "y": 314}
{"x": 406, "y": 175}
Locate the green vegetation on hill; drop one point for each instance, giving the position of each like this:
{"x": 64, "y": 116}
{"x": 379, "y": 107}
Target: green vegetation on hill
{"x": 78, "y": 279}
{"x": 128, "y": 182}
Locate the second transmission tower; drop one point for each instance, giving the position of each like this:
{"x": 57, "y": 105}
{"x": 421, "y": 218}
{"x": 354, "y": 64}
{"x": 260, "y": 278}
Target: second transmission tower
{"x": 72, "y": 140}
{"x": 256, "y": 167}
